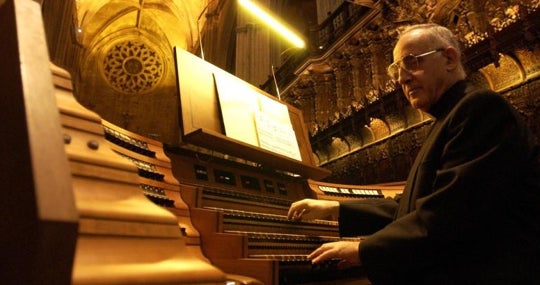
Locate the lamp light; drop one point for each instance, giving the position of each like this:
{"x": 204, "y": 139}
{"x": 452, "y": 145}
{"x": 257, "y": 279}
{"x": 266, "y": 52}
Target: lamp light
{"x": 272, "y": 22}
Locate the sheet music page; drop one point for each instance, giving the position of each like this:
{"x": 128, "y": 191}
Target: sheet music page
{"x": 254, "y": 118}
{"x": 274, "y": 128}
{"x": 238, "y": 103}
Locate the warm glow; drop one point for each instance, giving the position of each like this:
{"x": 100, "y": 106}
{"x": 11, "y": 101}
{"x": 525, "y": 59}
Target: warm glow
{"x": 272, "y": 22}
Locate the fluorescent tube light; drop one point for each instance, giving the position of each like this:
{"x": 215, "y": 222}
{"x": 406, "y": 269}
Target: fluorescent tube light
{"x": 272, "y": 22}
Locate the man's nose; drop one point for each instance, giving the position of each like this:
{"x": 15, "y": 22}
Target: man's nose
{"x": 404, "y": 76}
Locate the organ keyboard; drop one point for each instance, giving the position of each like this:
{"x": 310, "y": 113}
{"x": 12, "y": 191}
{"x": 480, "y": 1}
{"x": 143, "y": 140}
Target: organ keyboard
{"x": 239, "y": 212}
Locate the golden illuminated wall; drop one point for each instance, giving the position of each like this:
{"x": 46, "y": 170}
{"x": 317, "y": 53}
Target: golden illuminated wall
{"x": 361, "y": 126}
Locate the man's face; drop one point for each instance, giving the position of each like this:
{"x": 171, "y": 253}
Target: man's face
{"x": 424, "y": 84}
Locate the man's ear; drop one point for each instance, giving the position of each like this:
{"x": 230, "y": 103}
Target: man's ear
{"x": 452, "y": 58}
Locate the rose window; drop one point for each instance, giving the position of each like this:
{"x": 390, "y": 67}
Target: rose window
{"x": 132, "y": 67}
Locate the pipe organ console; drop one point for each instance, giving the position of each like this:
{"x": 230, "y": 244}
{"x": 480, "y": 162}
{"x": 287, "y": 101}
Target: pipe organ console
{"x": 226, "y": 218}
{"x": 239, "y": 211}
{"x": 237, "y": 206}
{"x": 230, "y": 211}
{"x": 209, "y": 210}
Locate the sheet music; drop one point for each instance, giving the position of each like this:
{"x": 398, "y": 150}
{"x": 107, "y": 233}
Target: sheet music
{"x": 238, "y": 102}
{"x": 254, "y": 118}
{"x": 274, "y": 128}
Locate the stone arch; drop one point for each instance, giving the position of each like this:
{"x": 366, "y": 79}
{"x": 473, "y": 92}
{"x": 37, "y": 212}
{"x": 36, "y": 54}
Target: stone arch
{"x": 507, "y": 73}
{"x": 379, "y": 128}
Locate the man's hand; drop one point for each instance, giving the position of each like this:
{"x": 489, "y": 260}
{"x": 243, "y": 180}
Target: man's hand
{"x": 313, "y": 209}
{"x": 346, "y": 251}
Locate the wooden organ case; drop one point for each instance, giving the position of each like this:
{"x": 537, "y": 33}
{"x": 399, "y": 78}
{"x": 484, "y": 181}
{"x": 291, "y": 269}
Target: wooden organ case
{"x": 75, "y": 213}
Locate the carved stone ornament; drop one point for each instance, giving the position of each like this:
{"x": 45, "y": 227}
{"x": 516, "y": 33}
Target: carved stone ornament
{"x": 132, "y": 67}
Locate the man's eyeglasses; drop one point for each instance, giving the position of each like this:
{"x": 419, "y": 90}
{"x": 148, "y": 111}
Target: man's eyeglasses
{"x": 408, "y": 62}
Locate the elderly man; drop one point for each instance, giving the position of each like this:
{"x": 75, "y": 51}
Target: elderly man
{"x": 470, "y": 210}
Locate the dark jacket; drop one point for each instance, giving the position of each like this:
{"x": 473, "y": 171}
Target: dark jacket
{"x": 470, "y": 210}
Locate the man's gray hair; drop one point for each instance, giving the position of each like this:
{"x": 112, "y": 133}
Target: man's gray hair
{"x": 437, "y": 32}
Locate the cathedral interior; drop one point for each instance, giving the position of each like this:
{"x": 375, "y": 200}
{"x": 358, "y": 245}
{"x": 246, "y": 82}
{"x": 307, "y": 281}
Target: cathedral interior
{"x": 359, "y": 124}
{"x": 116, "y": 58}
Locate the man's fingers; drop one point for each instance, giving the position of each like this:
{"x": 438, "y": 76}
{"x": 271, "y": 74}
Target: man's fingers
{"x": 320, "y": 254}
{"x": 295, "y": 212}
{"x": 298, "y": 216}
{"x": 313, "y": 255}
{"x": 292, "y": 212}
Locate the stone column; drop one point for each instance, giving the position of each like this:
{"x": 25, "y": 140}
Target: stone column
{"x": 252, "y": 47}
